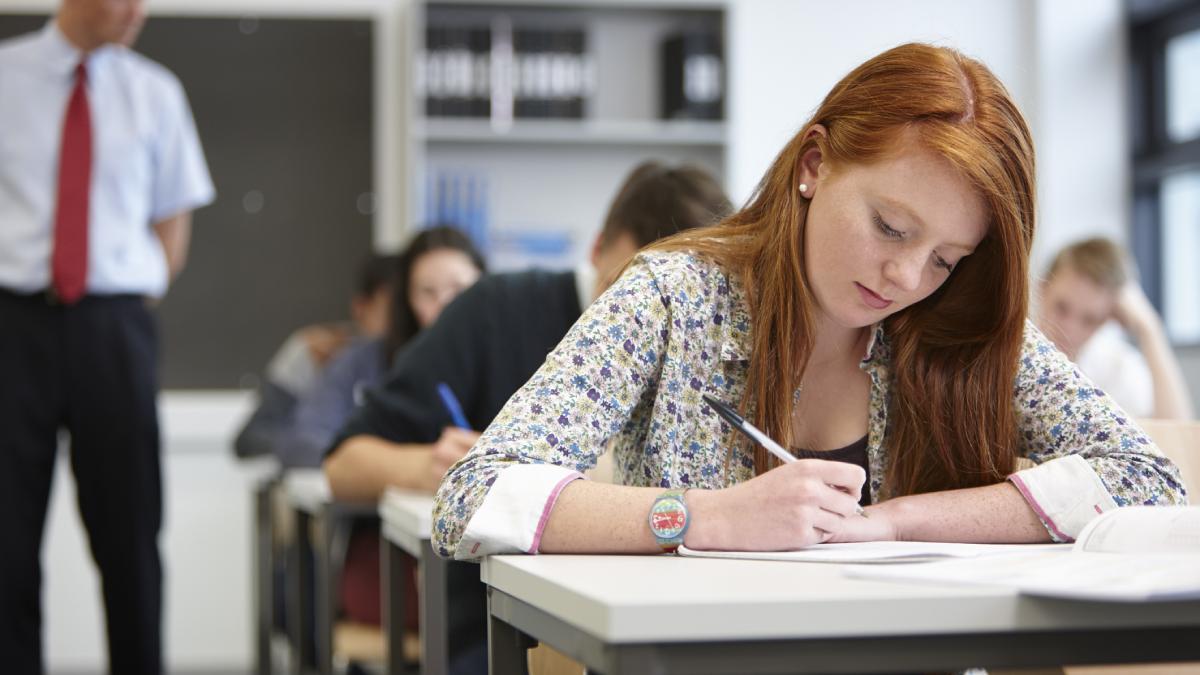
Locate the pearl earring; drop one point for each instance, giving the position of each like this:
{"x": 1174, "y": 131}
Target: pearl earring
{"x": 803, "y": 189}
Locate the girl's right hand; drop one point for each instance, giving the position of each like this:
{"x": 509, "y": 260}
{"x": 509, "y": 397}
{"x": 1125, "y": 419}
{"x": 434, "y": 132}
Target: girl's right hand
{"x": 789, "y": 507}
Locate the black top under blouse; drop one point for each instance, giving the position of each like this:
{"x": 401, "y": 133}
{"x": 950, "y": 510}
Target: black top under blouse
{"x": 855, "y": 453}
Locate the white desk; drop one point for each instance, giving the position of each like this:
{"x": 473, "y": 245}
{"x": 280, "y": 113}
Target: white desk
{"x": 666, "y": 614}
{"x": 307, "y": 492}
{"x": 406, "y": 519}
{"x": 264, "y": 564}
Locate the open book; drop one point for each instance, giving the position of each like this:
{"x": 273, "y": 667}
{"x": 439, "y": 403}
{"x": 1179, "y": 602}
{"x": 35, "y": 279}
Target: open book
{"x": 1131, "y": 554}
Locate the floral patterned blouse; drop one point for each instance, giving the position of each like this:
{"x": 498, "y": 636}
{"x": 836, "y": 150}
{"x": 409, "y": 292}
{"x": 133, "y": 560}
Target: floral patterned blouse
{"x": 631, "y": 373}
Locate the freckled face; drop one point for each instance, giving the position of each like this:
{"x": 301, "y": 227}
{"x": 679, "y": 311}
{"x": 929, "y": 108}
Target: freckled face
{"x": 883, "y": 236}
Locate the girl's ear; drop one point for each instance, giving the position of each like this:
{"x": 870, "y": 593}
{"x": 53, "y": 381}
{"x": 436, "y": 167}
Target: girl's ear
{"x": 809, "y": 169}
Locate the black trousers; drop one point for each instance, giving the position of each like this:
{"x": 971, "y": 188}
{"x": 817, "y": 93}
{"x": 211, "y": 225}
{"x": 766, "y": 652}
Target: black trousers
{"x": 89, "y": 369}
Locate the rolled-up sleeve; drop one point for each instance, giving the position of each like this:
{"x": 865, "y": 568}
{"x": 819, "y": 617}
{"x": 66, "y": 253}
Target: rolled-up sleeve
{"x": 1089, "y": 455}
{"x": 497, "y": 499}
{"x": 181, "y": 180}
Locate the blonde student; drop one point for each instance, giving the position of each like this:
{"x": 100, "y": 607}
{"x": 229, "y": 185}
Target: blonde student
{"x": 867, "y": 305}
{"x": 1086, "y": 298}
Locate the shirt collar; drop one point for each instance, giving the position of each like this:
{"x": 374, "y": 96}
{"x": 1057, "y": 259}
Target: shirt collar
{"x": 61, "y": 57}
{"x": 877, "y": 347}
{"x": 736, "y": 345}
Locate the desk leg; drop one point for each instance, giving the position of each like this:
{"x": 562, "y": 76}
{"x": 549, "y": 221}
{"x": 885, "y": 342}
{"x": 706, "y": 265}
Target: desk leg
{"x": 434, "y": 603}
{"x": 264, "y": 574}
{"x": 325, "y": 605}
{"x": 300, "y": 605}
{"x": 395, "y": 590}
{"x": 508, "y": 648}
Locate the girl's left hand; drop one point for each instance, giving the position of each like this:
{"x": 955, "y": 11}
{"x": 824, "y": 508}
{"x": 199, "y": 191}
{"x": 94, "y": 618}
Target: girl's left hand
{"x": 880, "y": 524}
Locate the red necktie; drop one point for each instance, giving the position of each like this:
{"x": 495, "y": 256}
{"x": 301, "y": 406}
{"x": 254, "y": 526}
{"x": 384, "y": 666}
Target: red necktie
{"x": 69, "y": 262}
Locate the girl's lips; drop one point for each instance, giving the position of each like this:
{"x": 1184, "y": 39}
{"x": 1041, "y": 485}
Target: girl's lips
{"x": 872, "y": 299}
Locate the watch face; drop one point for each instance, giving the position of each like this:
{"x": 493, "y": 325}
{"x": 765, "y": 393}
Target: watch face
{"x": 668, "y": 518}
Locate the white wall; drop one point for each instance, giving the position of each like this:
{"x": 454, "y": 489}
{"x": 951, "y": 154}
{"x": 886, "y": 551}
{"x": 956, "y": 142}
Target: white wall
{"x": 785, "y": 55}
{"x": 1080, "y": 123}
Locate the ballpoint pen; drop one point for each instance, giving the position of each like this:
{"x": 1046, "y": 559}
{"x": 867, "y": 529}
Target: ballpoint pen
{"x": 450, "y": 401}
{"x": 735, "y": 420}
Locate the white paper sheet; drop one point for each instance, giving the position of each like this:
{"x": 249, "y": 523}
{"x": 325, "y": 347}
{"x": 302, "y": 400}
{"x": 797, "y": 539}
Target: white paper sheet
{"x": 875, "y": 552}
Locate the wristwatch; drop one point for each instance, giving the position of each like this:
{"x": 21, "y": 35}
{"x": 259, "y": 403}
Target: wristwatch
{"x": 669, "y": 519}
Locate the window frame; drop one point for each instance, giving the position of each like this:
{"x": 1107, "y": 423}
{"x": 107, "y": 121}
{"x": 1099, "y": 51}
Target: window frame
{"x": 1152, "y": 24}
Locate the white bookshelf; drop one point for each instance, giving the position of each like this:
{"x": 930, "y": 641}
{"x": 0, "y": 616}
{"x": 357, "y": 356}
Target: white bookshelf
{"x": 555, "y": 177}
{"x": 647, "y": 133}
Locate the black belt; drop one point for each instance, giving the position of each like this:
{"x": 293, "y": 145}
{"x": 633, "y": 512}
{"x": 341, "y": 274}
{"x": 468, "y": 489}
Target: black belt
{"x": 50, "y": 297}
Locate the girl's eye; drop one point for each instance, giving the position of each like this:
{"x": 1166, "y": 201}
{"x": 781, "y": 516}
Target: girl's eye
{"x": 940, "y": 262}
{"x": 886, "y": 229}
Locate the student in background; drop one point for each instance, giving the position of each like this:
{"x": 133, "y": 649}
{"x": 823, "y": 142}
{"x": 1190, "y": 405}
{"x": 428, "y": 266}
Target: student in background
{"x": 496, "y": 335}
{"x": 1088, "y": 285}
{"x": 437, "y": 265}
{"x": 293, "y": 370}
{"x": 484, "y": 346}
{"x": 869, "y": 306}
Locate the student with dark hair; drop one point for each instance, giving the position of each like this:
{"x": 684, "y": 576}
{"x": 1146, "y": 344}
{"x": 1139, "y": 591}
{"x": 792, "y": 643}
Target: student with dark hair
{"x": 484, "y": 346}
{"x": 866, "y": 309}
{"x": 496, "y": 335}
{"x": 437, "y": 265}
{"x": 292, "y": 371}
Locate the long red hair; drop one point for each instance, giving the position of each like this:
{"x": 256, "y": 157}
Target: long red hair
{"x": 954, "y": 354}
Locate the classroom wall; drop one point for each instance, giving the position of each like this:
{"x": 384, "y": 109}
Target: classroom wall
{"x": 785, "y": 55}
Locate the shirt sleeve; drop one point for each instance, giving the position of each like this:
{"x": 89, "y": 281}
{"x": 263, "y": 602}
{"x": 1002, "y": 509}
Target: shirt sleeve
{"x": 322, "y": 411}
{"x": 181, "y": 179}
{"x": 1090, "y": 456}
{"x": 293, "y": 368}
{"x": 498, "y": 498}
{"x": 273, "y": 415}
{"x": 1119, "y": 369}
{"x": 1137, "y": 395}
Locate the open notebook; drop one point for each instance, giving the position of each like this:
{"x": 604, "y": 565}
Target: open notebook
{"x": 876, "y": 552}
{"x": 1132, "y": 554}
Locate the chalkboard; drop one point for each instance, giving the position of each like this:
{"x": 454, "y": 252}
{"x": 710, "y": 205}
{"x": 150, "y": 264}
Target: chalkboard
{"x": 284, "y": 110}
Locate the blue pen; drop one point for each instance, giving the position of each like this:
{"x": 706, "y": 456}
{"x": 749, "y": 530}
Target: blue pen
{"x": 452, "y": 406}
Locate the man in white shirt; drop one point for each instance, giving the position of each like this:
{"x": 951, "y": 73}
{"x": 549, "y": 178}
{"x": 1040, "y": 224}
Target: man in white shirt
{"x": 100, "y": 168}
{"x": 1086, "y": 293}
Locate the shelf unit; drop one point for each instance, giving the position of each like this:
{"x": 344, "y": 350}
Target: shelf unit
{"x": 575, "y": 132}
{"x": 548, "y": 182}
